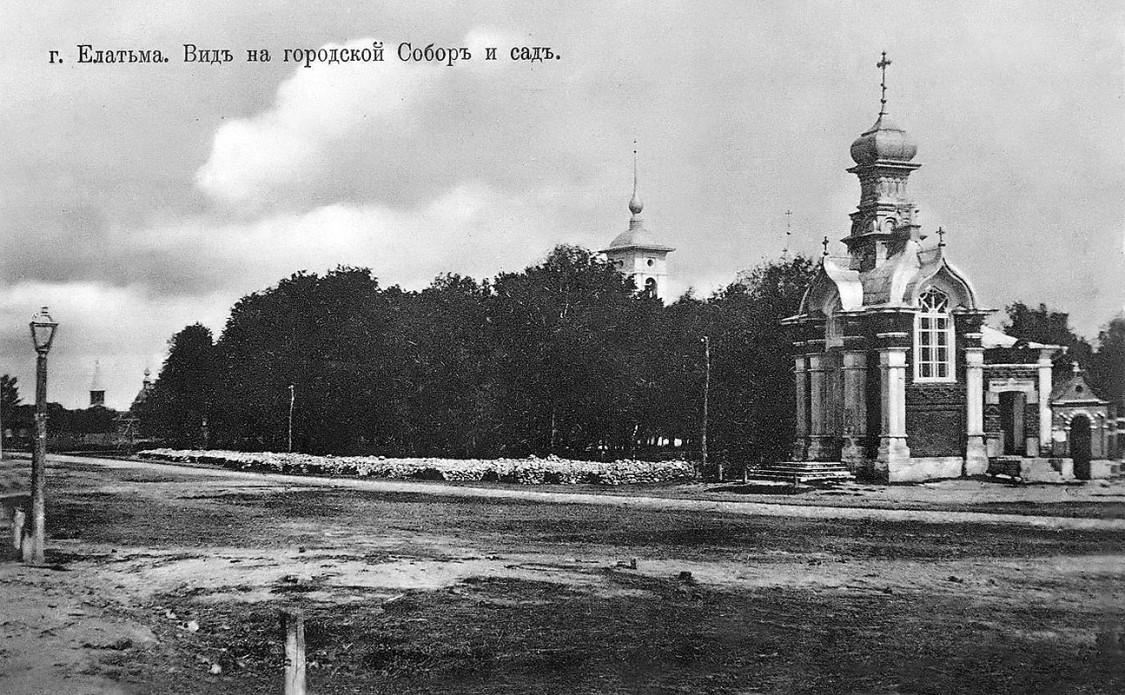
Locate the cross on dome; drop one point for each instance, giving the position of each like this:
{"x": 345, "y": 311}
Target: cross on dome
{"x": 882, "y": 65}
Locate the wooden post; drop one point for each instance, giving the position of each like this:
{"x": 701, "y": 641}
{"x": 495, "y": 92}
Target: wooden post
{"x": 19, "y": 520}
{"x": 293, "y": 622}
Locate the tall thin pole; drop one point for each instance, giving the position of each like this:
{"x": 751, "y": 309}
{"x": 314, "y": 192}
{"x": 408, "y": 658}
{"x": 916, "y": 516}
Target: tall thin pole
{"x": 33, "y": 550}
{"x": 292, "y": 396}
{"x": 706, "y": 397}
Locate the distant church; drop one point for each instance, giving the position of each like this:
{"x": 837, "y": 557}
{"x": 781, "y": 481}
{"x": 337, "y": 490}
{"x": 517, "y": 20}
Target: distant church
{"x": 891, "y": 375}
{"x": 635, "y": 253}
{"x": 97, "y": 387}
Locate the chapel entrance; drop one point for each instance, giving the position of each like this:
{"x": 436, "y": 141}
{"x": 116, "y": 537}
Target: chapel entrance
{"x": 1013, "y": 405}
{"x": 1080, "y": 446}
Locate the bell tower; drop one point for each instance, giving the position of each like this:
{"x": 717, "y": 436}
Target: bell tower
{"x": 97, "y": 387}
{"x": 634, "y": 253}
{"x": 884, "y": 220}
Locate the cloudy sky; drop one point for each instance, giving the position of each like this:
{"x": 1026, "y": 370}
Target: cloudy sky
{"x": 136, "y": 199}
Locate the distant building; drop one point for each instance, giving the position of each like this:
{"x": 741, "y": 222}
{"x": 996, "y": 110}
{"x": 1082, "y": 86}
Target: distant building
{"x": 97, "y": 387}
{"x": 1084, "y": 428}
{"x": 635, "y": 253}
{"x": 128, "y": 423}
{"x": 146, "y": 388}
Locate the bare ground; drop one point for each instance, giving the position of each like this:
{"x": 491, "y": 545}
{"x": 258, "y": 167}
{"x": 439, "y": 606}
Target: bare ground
{"x": 169, "y": 580}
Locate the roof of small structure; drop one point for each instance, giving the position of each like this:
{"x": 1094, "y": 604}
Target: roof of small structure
{"x": 1075, "y": 390}
{"x": 993, "y": 338}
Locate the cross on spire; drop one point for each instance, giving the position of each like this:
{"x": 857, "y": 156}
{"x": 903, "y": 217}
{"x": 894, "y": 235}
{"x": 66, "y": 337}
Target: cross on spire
{"x": 882, "y": 65}
{"x": 941, "y": 237}
{"x": 788, "y": 232}
{"x": 825, "y": 244}
{"x": 634, "y": 165}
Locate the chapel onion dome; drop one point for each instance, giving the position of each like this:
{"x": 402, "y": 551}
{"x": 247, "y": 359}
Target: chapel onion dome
{"x": 884, "y": 141}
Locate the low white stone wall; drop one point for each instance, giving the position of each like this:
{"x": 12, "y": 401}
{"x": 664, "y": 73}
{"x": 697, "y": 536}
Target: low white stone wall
{"x": 917, "y": 470}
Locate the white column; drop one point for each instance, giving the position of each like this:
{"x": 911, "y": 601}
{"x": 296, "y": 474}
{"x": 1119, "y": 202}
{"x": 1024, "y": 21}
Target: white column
{"x": 1044, "y": 402}
{"x": 892, "y": 442}
{"x": 818, "y": 433}
{"x": 976, "y": 454}
{"x": 800, "y": 377}
{"x": 855, "y": 408}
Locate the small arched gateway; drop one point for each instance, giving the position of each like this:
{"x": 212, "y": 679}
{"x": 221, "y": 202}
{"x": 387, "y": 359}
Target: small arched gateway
{"x": 1084, "y": 430}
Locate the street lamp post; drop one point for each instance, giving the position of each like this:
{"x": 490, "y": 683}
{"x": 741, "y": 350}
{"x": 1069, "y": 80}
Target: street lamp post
{"x": 706, "y": 340}
{"x": 292, "y": 397}
{"x": 42, "y": 334}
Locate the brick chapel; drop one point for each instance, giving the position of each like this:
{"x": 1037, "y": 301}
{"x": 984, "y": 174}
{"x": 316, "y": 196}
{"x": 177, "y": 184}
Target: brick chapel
{"x": 889, "y": 363}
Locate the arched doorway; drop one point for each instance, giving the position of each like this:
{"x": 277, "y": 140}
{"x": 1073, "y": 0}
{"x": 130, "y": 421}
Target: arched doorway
{"x": 1080, "y": 446}
{"x": 1013, "y": 407}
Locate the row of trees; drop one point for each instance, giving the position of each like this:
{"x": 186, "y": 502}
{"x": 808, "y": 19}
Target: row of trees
{"x": 564, "y": 357}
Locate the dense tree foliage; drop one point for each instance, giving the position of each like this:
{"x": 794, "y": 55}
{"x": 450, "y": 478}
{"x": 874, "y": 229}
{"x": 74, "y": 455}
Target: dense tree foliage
{"x": 179, "y": 405}
{"x": 754, "y": 396}
{"x": 1107, "y": 366}
{"x": 9, "y": 399}
{"x": 563, "y": 357}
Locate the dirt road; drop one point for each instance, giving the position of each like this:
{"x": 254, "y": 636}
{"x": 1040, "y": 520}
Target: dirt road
{"x": 169, "y": 579}
{"x": 864, "y": 508}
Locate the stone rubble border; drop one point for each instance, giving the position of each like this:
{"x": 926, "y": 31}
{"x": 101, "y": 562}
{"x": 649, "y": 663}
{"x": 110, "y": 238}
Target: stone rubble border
{"x": 529, "y": 471}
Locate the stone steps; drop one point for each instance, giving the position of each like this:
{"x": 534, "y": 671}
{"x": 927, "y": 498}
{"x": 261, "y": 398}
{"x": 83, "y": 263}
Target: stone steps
{"x": 803, "y": 471}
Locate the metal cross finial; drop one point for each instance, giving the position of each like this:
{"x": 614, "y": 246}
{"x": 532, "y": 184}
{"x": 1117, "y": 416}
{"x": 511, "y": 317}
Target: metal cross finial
{"x": 941, "y": 237}
{"x": 882, "y": 65}
{"x": 634, "y": 165}
{"x": 825, "y": 244}
{"x": 788, "y": 232}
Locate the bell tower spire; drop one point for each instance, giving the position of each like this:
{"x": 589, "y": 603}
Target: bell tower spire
{"x": 884, "y": 220}
{"x": 635, "y": 203}
{"x": 635, "y": 253}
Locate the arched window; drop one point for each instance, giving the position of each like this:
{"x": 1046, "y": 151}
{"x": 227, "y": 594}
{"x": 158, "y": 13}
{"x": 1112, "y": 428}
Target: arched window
{"x": 933, "y": 338}
{"x": 650, "y": 287}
